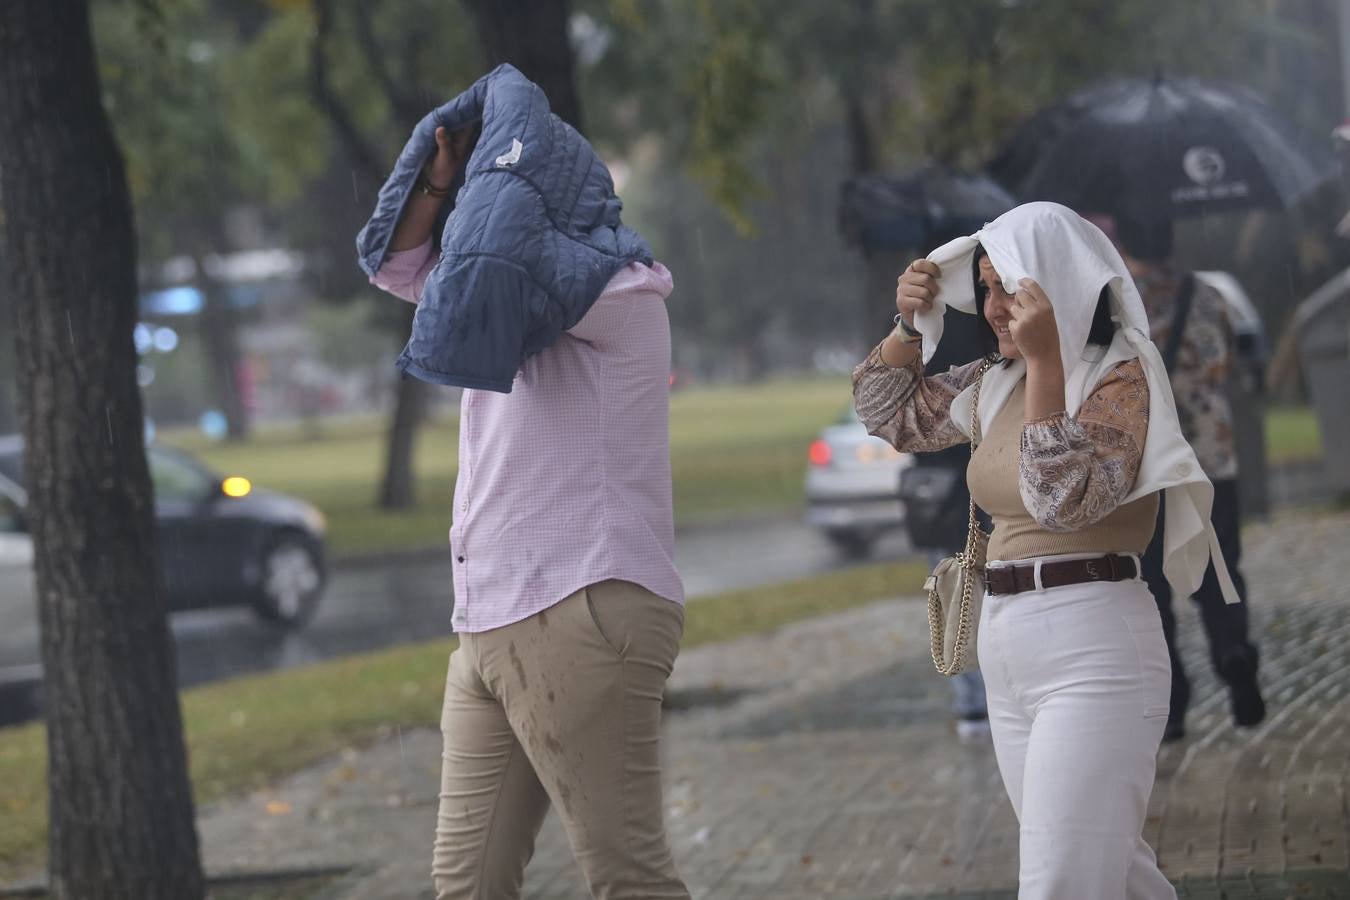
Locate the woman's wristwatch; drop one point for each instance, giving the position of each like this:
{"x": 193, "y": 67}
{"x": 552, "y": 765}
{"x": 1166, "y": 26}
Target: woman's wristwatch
{"x": 904, "y": 333}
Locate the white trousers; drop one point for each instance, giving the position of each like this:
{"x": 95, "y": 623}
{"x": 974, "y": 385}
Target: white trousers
{"x": 1078, "y": 680}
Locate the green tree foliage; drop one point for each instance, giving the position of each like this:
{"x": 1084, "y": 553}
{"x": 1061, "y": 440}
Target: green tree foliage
{"x": 936, "y": 79}
{"x": 742, "y": 95}
{"x": 983, "y": 66}
{"x": 745, "y": 111}
{"x": 163, "y": 67}
{"x": 215, "y": 101}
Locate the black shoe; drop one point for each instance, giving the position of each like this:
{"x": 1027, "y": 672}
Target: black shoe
{"x": 1239, "y": 670}
{"x": 1174, "y": 731}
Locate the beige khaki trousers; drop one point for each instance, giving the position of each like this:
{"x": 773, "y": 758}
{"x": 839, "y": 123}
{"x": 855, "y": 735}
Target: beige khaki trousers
{"x": 561, "y": 709}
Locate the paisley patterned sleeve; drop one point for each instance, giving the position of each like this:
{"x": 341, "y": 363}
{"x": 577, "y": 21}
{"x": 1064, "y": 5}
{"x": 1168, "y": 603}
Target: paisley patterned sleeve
{"x": 909, "y": 411}
{"x": 1076, "y": 471}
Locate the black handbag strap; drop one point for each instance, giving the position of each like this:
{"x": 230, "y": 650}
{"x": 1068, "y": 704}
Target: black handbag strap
{"x": 1179, "y": 317}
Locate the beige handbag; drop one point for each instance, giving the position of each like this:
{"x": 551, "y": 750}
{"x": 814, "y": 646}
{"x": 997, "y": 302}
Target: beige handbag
{"x": 956, "y": 587}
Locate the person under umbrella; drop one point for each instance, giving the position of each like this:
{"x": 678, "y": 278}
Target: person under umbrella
{"x": 1189, "y": 321}
{"x": 1147, "y": 152}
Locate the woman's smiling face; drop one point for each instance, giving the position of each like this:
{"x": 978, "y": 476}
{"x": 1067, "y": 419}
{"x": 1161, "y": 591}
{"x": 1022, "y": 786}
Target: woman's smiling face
{"x": 997, "y": 308}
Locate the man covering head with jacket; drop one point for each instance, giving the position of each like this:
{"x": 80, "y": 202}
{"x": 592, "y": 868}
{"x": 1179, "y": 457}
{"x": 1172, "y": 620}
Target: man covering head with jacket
{"x": 567, "y": 602}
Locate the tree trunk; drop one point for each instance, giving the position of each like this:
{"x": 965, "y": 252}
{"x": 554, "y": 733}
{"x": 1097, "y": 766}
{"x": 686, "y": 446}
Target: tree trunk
{"x": 862, "y": 160}
{"x": 121, "y": 821}
{"x": 862, "y": 155}
{"x": 399, "y": 488}
{"x": 220, "y": 336}
{"x": 532, "y": 35}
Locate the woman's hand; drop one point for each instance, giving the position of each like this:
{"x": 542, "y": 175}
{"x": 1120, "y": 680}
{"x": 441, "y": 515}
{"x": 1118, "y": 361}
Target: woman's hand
{"x": 916, "y": 288}
{"x": 452, "y": 149}
{"x": 914, "y": 293}
{"x": 1032, "y": 324}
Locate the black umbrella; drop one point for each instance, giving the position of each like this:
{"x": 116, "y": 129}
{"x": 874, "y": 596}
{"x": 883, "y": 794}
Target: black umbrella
{"x": 915, "y": 211}
{"x": 909, "y": 210}
{"x": 1163, "y": 147}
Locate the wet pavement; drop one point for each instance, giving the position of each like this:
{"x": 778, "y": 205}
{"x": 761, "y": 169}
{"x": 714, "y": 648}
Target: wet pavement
{"x": 831, "y": 769}
{"x": 372, "y": 606}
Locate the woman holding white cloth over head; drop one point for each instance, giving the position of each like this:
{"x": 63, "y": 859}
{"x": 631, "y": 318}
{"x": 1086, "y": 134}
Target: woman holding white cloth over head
{"x": 1078, "y": 437}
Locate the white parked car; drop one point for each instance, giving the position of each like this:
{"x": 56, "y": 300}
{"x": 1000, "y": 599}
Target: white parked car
{"x": 853, "y": 485}
{"x": 17, "y": 613}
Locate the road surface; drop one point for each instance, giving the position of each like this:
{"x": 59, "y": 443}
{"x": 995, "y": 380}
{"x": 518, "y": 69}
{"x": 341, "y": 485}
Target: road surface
{"x": 369, "y": 607}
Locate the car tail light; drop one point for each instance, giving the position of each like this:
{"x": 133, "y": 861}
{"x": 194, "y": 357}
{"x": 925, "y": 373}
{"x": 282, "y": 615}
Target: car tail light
{"x": 819, "y": 453}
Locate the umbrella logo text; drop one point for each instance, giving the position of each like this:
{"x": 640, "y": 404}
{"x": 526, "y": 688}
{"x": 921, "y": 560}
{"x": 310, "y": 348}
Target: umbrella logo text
{"x": 1204, "y": 165}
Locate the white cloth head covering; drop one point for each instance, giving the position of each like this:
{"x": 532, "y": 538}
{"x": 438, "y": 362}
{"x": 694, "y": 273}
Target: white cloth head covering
{"x": 1073, "y": 260}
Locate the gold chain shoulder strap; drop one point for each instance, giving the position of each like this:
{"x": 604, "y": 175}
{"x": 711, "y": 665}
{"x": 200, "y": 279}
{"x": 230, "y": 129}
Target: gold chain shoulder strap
{"x": 965, "y": 559}
{"x": 972, "y": 531}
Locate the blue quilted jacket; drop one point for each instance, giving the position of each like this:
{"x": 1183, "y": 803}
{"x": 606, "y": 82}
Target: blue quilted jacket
{"x": 532, "y": 240}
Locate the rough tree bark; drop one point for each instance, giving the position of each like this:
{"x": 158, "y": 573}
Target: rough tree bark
{"x": 120, "y": 802}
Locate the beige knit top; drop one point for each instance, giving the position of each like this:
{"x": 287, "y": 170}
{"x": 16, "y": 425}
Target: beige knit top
{"x": 1051, "y": 486}
{"x": 996, "y": 484}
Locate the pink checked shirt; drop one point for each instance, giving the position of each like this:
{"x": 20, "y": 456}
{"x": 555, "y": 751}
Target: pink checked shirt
{"x": 565, "y": 481}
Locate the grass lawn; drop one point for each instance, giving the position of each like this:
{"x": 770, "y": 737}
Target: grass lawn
{"x": 1292, "y": 434}
{"x": 735, "y": 451}
{"x": 245, "y": 733}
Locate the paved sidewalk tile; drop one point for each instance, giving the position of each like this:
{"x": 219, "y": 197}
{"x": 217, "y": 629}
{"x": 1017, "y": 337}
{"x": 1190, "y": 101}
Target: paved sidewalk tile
{"x": 830, "y": 769}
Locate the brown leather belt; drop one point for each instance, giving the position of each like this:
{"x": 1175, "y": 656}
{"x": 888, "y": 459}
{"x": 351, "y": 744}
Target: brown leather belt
{"x": 1019, "y": 577}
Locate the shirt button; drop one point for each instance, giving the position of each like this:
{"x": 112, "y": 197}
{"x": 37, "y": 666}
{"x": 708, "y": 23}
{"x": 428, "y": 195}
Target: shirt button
{"x": 1183, "y": 469}
{"x": 459, "y": 559}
